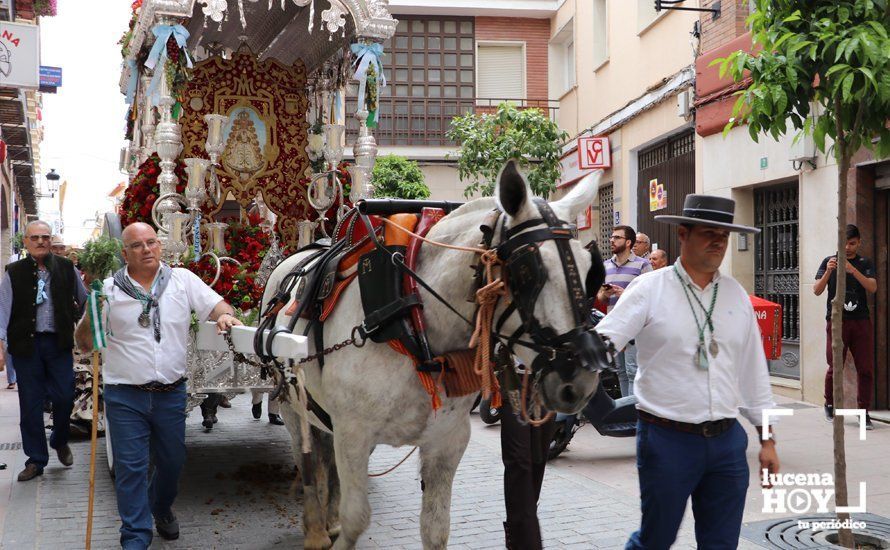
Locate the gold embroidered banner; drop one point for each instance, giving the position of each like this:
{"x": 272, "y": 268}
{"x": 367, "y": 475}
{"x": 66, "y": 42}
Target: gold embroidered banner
{"x": 264, "y": 135}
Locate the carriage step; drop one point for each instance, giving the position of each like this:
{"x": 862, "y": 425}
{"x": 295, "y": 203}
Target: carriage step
{"x": 288, "y": 346}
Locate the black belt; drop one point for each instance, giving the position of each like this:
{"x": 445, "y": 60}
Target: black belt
{"x": 158, "y": 386}
{"x": 711, "y": 428}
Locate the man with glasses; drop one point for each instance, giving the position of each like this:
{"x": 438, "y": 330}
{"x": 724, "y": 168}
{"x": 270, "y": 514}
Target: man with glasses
{"x": 41, "y": 298}
{"x": 147, "y": 316}
{"x": 642, "y": 246}
{"x": 623, "y": 267}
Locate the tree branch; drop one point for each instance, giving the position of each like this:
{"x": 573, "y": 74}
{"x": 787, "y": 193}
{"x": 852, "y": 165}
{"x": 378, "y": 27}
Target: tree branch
{"x": 860, "y": 111}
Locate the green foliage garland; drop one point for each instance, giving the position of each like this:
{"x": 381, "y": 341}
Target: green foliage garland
{"x": 100, "y": 257}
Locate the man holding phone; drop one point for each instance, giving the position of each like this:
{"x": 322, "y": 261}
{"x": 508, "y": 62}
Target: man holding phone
{"x": 857, "y": 332}
{"x": 623, "y": 267}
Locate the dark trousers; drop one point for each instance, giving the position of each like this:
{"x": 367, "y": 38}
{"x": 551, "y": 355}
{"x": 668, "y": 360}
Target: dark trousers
{"x": 675, "y": 465}
{"x": 142, "y": 423}
{"x": 46, "y": 373}
{"x": 858, "y": 338}
{"x": 524, "y": 452}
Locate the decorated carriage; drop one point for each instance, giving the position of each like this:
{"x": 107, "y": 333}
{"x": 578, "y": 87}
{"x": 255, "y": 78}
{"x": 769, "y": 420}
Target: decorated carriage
{"x": 236, "y": 128}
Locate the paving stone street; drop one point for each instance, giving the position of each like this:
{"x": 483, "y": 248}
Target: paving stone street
{"x": 236, "y": 492}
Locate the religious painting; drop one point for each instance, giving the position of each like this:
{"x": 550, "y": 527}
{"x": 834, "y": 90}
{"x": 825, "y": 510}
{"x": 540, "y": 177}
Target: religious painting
{"x": 245, "y": 138}
{"x": 264, "y": 136}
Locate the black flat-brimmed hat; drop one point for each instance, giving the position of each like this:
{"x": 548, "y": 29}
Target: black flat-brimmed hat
{"x": 708, "y": 210}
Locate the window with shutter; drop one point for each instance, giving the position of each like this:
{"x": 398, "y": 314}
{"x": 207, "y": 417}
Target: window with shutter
{"x": 501, "y": 71}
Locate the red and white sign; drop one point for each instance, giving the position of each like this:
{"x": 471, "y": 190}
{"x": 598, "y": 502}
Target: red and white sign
{"x": 594, "y": 153}
{"x": 2, "y": 151}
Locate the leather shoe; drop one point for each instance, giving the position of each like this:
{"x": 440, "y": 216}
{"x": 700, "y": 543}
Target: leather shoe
{"x": 168, "y": 527}
{"x": 275, "y": 419}
{"x": 65, "y": 456}
{"x": 224, "y": 402}
{"x": 257, "y": 411}
{"x": 30, "y": 472}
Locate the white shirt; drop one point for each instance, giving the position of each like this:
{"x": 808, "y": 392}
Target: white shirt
{"x": 133, "y": 356}
{"x": 654, "y": 311}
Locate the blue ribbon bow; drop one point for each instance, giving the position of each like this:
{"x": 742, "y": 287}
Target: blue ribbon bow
{"x": 158, "y": 54}
{"x": 365, "y": 54}
{"x": 133, "y": 82}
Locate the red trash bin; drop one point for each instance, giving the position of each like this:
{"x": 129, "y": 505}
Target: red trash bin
{"x": 769, "y": 319}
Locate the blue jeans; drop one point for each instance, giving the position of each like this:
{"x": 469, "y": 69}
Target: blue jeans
{"x": 626, "y": 363}
{"x": 10, "y": 371}
{"x": 630, "y": 367}
{"x": 143, "y": 423}
{"x": 673, "y": 466}
{"x": 48, "y": 372}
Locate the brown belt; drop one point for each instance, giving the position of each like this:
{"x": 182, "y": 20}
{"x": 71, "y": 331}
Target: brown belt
{"x": 711, "y": 428}
{"x": 160, "y": 387}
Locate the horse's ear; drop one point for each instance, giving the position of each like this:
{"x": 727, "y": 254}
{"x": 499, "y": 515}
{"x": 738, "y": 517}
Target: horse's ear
{"x": 511, "y": 190}
{"x": 579, "y": 198}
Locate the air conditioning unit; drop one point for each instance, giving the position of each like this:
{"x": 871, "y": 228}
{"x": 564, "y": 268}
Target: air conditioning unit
{"x": 803, "y": 150}
{"x": 684, "y": 103}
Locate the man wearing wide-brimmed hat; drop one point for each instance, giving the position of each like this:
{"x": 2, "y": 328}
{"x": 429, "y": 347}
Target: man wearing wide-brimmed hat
{"x": 701, "y": 365}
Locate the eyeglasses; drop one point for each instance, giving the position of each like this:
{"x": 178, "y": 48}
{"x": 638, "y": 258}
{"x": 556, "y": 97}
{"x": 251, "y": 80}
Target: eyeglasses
{"x": 641, "y": 242}
{"x": 142, "y": 245}
{"x": 36, "y": 238}
{"x": 617, "y": 238}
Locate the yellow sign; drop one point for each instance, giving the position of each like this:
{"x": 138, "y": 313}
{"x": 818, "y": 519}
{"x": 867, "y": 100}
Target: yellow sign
{"x": 657, "y": 196}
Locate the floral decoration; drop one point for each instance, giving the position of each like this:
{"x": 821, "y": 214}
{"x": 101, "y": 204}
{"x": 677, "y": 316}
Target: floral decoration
{"x": 143, "y": 191}
{"x": 45, "y": 8}
{"x": 246, "y": 242}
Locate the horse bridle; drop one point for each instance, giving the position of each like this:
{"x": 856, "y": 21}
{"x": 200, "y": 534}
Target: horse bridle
{"x": 519, "y": 249}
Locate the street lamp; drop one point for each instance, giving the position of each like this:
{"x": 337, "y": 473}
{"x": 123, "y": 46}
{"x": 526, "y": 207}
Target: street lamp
{"x": 52, "y": 180}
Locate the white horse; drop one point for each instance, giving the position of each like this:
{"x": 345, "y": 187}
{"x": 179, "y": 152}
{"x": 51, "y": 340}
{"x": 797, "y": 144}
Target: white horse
{"x": 373, "y": 394}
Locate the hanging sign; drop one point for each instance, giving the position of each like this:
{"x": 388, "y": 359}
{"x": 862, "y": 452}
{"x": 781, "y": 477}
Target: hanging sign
{"x": 19, "y": 55}
{"x": 657, "y": 196}
{"x": 50, "y": 77}
{"x": 594, "y": 153}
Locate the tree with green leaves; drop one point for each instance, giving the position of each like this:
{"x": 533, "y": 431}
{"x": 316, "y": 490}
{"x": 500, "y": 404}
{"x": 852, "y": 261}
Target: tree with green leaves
{"x": 398, "y": 178}
{"x": 489, "y": 140}
{"x": 821, "y": 67}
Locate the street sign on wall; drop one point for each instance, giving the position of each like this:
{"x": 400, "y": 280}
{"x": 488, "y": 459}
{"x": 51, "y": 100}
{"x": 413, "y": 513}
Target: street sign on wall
{"x": 50, "y": 77}
{"x": 594, "y": 153}
{"x": 19, "y": 55}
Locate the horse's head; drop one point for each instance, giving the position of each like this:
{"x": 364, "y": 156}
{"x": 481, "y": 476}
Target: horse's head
{"x": 550, "y": 279}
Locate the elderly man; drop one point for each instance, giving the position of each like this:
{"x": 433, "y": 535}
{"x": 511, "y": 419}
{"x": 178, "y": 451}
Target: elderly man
{"x": 642, "y": 246}
{"x": 41, "y": 297}
{"x": 57, "y": 246}
{"x": 148, "y": 311}
{"x": 658, "y": 259}
{"x": 701, "y": 366}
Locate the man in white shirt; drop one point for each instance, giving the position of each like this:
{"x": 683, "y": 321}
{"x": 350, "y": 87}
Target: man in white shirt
{"x": 147, "y": 317}
{"x": 701, "y": 364}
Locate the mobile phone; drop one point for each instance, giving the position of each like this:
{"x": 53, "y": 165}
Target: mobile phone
{"x": 607, "y": 286}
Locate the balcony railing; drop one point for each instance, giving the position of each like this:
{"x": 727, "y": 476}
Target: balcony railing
{"x": 424, "y": 121}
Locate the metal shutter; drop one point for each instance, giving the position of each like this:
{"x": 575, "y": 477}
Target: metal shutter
{"x": 501, "y": 72}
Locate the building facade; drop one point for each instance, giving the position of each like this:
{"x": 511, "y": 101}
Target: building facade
{"x": 21, "y": 129}
{"x": 446, "y": 60}
{"x": 619, "y": 71}
{"x": 789, "y": 191}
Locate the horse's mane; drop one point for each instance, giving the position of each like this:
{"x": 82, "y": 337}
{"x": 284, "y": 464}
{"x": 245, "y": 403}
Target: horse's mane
{"x": 475, "y": 205}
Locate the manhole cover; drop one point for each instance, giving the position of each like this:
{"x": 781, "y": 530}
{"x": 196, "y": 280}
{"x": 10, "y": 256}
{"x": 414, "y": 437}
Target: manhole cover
{"x": 806, "y": 531}
{"x": 10, "y": 446}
